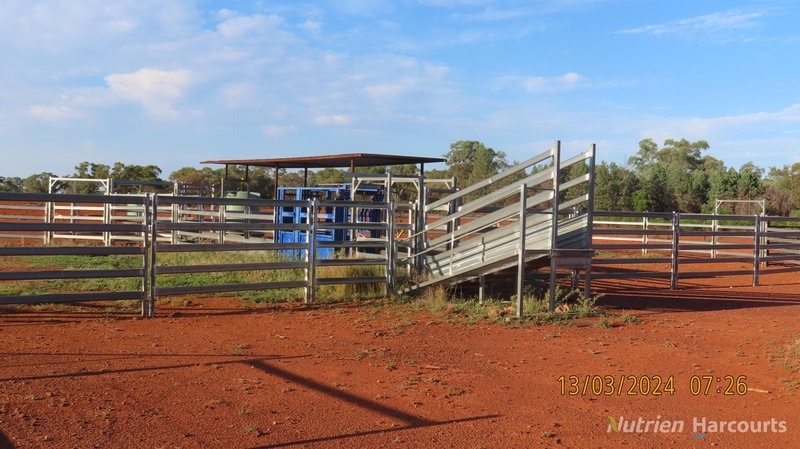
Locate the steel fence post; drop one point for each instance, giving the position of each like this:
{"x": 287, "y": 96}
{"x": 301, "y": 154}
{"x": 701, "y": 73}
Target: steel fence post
{"x": 676, "y": 224}
{"x": 311, "y": 251}
{"x": 554, "y": 224}
{"x": 146, "y": 256}
{"x": 523, "y": 212}
{"x": 756, "y": 249}
{"x": 153, "y": 254}
{"x": 390, "y": 251}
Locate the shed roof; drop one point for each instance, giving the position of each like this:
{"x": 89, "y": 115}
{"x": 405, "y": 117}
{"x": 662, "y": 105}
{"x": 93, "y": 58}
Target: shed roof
{"x": 331, "y": 160}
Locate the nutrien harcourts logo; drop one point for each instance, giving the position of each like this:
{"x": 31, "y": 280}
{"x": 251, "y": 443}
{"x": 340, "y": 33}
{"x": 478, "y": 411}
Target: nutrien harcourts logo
{"x": 700, "y": 426}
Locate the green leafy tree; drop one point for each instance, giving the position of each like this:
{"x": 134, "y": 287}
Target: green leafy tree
{"x": 471, "y": 161}
{"x": 614, "y": 187}
{"x": 38, "y": 183}
{"x": 10, "y": 184}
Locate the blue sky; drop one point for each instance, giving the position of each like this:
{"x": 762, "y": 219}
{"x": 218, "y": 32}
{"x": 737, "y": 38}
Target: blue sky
{"x": 172, "y": 83}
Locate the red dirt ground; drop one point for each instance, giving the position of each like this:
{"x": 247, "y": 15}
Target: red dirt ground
{"x": 218, "y": 375}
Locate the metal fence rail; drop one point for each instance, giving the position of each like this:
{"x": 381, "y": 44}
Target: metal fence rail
{"x": 770, "y": 245}
{"x": 24, "y": 250}
{"x": 151, "y": 228}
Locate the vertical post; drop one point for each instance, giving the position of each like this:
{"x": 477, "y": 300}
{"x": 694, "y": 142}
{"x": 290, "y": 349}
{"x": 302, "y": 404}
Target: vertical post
{"x": 644, "y": 234}
{"x": 420, "y": 220}
{"x": 390, "y": 249}
{"x": 481, "y": 289}
{"x": 765, "y": 242}
{"x": 311, "y": 251}
{"x": 676, "y": 233}
{"x": 554, "y": 224}
{"x": 47, "y": 206}
{"x": 106, "y": 213}
{"x": 523, "y": 215}
{"x": 146, "y": 256}
{"x": 756, "y": 249}
{"x": 176, "y": 218}
{"x": 153, "y": 255}
{"x": 587, "y": 282}
{"x": 222, "y": 210}
{"x": 275, "y": 191}
{"x": 714, "y": 237}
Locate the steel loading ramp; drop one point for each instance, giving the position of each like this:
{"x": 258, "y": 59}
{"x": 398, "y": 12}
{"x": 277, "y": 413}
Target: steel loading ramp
{"x": 491, "y": 242}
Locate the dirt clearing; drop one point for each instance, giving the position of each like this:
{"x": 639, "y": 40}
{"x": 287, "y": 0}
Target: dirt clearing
{"x": 214, "y": 373}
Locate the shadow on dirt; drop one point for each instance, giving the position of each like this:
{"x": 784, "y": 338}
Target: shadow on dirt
{"x": 5, "y": 443}
{"x": 244, "y": 359}
{"x": 411, "y": 421}
{"x": 689, "y": 296}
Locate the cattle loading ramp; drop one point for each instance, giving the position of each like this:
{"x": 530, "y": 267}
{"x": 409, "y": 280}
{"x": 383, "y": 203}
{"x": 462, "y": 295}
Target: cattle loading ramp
{"x": 508, "y": 221}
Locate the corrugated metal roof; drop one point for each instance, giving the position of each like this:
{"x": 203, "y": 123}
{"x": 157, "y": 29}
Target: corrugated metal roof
{"x": 331, "y": 160}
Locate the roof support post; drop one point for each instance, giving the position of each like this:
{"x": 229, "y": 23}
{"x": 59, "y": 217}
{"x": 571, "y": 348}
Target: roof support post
{"x": 275, "y": 192}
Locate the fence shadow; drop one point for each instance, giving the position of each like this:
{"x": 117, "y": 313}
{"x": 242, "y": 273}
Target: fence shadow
{"x": 693, "y": 299}
{"x": 5, "y": 443}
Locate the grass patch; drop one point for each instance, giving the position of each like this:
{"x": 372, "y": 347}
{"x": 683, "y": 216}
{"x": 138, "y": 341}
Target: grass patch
{"x": 569, "y": 305}
{"x": 788, "y": 354}
{"x": 324, "y": 293}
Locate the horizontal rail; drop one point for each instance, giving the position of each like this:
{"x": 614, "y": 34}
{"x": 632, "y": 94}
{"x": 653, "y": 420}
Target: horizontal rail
{"x": 18, "y": 207}
{"x": 209, "y": 226}
{"x": 71, "y": 297}
{"x": 630, "y": 246}
{"x": 541, "y": 157}
{"x": 71, "y": 198}
{"x": 357, "y": 225}
{"x": 351, "y": 244}
{"x": 68, "y": 274}
{"x": 350, "y": 262}
{"x": 168, "y": 199}
{"x": 630, "y": 274}
{"x": 74, "y": 227}
{"x": 169, "y": 291}
{"x": 203, "y": 247}
{"x": 605, "y": 231}
{"x": 22, "y": 217}
{"x": 639, "y": 260}
{"x": 359, "y": 204}
{"x": 182, "y": 269}
{"x": 72, "y": 251}
{"x": 364, "y": 280}
{"x": 600, "y": 213}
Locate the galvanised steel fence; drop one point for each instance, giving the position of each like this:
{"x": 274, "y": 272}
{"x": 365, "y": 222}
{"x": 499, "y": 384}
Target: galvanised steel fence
{"x": 766, "y": 244}
{"x": 152, "y": 233}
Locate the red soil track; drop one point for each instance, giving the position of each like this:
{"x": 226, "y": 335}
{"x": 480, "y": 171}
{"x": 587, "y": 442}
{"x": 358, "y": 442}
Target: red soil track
{"x": 216, "y": 374}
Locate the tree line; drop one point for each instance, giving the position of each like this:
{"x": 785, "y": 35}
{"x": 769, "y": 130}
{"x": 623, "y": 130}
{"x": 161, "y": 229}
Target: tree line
{"x": 676, "y": 176}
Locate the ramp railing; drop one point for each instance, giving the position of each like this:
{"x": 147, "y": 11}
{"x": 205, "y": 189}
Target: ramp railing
{"x": 521, "y": 214}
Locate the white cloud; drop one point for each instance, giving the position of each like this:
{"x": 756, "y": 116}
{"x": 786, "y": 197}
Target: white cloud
{"x": 236, "y": 95}
{"x": 333, "y": 120}
{"x": 241, "y": 25}
{"x": 155, "y": 89}
{"x": 701, "y": 25}
{"x": 540, "y": 84}
{"x": 706, "y": 127}
{"x": 53, "y": 114}
{"x": 312, "y": 26}
{"x": 277, "y": 130}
